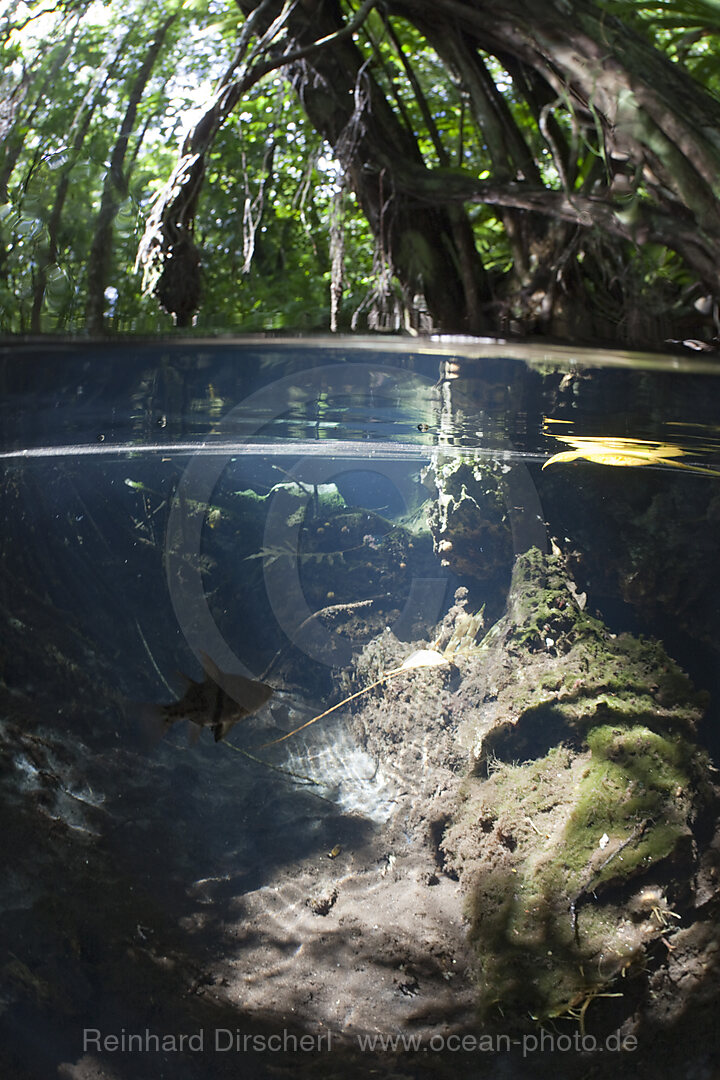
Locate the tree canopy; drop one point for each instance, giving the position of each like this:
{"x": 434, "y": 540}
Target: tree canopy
{"x": 462, "y": 165}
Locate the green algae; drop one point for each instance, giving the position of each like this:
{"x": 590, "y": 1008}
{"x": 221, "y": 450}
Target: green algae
{"x": 585, "y": 782}
{"x": 634, "y": 776}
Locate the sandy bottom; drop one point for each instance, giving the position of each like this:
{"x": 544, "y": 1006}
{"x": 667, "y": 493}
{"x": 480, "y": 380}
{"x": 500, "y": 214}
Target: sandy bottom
{"x": 190, "y": 891}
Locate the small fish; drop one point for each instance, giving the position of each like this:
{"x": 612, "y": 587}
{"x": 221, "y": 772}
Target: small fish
{"x": 218, "y": 702}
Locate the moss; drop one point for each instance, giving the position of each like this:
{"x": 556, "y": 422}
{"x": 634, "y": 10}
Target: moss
{"x": 634, "y": 776}
{"x": 585, "y": 777}
{"x": 537, "y": 828}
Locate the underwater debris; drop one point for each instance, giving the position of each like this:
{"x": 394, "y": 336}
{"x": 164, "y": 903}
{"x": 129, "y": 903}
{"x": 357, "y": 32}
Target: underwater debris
{"x": 418, "y": 659}
{"x": 330, "y": 612}
{"x": 322, "y": 905}
{"x": 578, "y": 1006}
{"x": 219, "y": 702}
{"x": 463, "y": 639}
{"x": 651, "y": 902}
{"x": 421, "y": 658}
{"x": 287, "y": 550}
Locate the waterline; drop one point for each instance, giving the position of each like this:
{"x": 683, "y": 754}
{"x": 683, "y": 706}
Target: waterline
{"x": 330, "y": 448}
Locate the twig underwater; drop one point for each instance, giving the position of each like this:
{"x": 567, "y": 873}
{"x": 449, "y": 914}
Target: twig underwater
{"x": 306, "y": 780}
{"x": 152, "y": 659}
{"x": 419, "y": 659}
{"x": 331, "y": 610}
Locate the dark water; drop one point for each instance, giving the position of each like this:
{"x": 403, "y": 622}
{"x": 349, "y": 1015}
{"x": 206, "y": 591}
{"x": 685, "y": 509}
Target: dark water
{"x": 161, "y": 502}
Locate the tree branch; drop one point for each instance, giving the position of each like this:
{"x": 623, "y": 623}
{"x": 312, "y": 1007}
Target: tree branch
{"x": 639, "y": 224}
{"x": 169, "y": 223}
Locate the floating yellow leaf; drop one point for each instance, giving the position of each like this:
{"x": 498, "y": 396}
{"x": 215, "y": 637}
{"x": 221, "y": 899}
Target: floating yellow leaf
{"x": 623, "y": 452}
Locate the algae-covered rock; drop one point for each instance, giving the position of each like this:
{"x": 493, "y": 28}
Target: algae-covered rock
{"x": 469, "y": 521}
{"x": 574, "y": 837}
